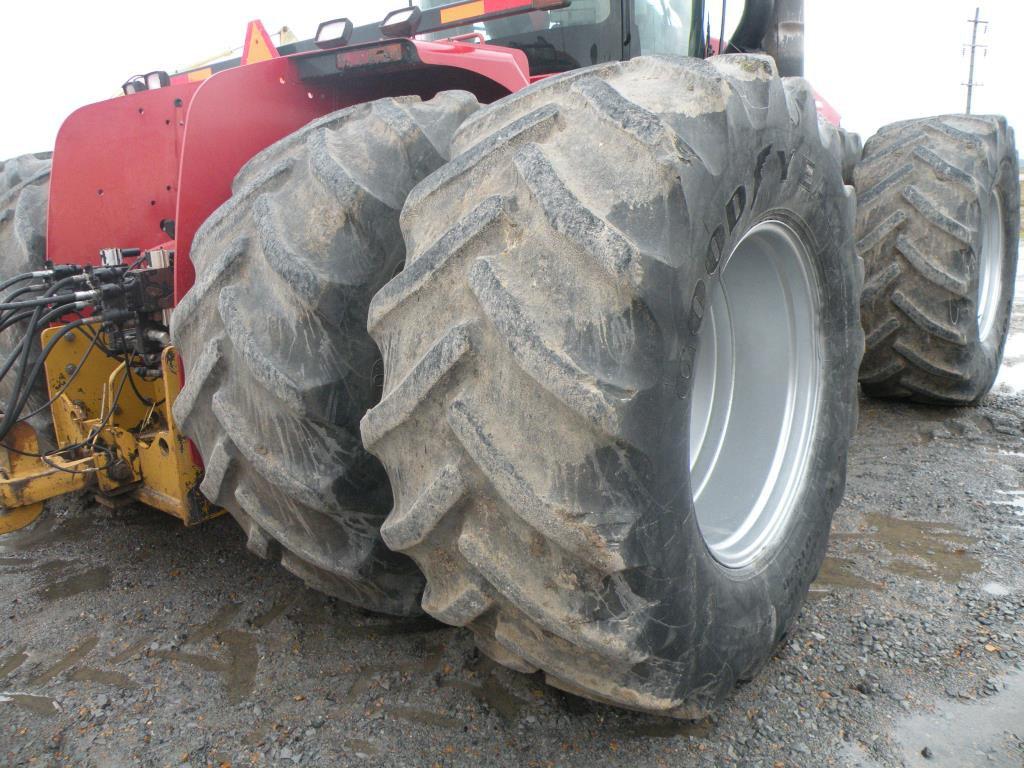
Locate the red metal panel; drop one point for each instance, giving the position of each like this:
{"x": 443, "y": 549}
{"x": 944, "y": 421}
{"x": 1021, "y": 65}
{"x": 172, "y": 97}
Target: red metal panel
{"x": 506, "y": 66}
{"x": 115, "y": 172}
{"x": 235, "y": 114}
{"x": 240, "y": 111}
{"x": 123, "y": 165}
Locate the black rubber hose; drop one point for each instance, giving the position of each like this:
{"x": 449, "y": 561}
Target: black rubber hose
{"x": 24, "y": 289}
{"x": 42, "y": 301}
{"x": 12, "y": 415}
{"x": 17, "y": 279}
{"x": 37, "y": 327}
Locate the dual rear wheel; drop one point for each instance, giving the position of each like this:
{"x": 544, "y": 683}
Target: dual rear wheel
{"x": 616, "y": 386}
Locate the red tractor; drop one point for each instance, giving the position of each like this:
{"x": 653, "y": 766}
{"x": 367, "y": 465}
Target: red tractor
{"x": 540, "y": 317}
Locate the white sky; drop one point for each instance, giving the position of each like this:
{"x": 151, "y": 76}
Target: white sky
{"x": 876, "y": 61}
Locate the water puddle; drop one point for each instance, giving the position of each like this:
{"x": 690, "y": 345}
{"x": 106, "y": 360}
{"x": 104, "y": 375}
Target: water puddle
{"x": 425, "y": 717}
{"x": 93, "y": 580}
{"x": 37, "y": 705}
{"x": 10, "y": 663}
{"x": 395, "y": 628}
{"x": 964, "y": 735}
{"x": 1014, "y": 500}
{"x": 667, "y": 728}
{"x": 839, "y": 572}
{"x": 919, "y": 549}
{"x": 218, "y": 622}
{"x": 205, "y": 663}
{"x": 103, "y": 676}
{"x": 236, "y": 666}
{"x": 55, "y": 567}
{"x": 272, "y": 614}
{"x": 361, "y": 745}
{"x": 49, "y": 529}
{"x": 368, "y": 675}
{"x": 134, "y": 648}
{"x": 492, "y": 693}
{"x": 240, "y": 676}
{"x": 72, "y": 658}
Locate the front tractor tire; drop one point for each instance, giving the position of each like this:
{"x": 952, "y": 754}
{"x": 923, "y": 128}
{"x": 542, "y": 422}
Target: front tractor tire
{"x": 620, "y": 376}
{"x": 938, "y": 218}
{"x": 279, "y": 367}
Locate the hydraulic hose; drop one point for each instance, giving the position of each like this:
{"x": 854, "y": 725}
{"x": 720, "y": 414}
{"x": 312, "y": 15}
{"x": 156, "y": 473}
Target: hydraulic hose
{"x": 22, "y": 393}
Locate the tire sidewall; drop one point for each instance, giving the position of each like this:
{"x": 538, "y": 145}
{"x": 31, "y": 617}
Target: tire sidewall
{"x": 745, "y": 611}
{"x": 1005, "y": 182}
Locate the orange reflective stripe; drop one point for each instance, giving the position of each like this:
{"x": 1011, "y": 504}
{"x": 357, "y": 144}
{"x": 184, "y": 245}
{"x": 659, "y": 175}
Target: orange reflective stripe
{"x": 464, "y": 11}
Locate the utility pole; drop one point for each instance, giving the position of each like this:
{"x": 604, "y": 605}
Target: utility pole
{"x": 971, "y": 85}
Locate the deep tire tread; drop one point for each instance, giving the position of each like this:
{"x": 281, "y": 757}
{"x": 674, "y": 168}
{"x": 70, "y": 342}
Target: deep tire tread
{"x": 285, "y": 272}
{"x": 539, "y": 575}
{"x": 922, "y": 184}
{"x": 24, "y": 197}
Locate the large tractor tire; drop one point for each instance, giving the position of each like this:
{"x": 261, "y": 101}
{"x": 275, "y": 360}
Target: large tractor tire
{"x": 844, "y": 146}
{"x": 938, "y": 217}
{"x": 620, "y": 376}
{"x": 24, "y": 196}
{"x": 279, "y": 367}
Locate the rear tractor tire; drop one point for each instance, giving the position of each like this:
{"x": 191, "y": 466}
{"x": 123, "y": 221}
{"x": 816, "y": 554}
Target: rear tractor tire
{"x": 938, "y": 217}
{"x": 24, "y": 197}
{"x": 620, "y": 376}
{"x": 279, "y": 367}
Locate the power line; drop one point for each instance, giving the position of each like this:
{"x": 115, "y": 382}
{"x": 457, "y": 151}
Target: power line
{"x": 971, "y": 85}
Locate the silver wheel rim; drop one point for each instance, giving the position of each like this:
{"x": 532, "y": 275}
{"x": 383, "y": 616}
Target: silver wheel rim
{"x": 990, "y": 265}
{"x": 756, "y": 389}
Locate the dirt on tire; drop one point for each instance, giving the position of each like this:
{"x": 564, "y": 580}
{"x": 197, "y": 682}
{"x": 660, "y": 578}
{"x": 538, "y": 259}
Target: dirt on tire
{"x": 539, "y": 350}
{"x": 923, "y": 187}
{"x": 24, "y": 197}
{"x": 279, "y": 366}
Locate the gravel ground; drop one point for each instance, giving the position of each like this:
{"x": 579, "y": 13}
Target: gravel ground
{"x": 129, "y": 640}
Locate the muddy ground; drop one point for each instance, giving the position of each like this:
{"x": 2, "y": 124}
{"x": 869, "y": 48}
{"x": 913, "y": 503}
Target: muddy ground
{"x": 128, "y": 640}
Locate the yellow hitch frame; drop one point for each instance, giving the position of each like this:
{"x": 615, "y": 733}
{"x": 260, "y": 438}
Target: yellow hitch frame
{"x": 114, "y": 434}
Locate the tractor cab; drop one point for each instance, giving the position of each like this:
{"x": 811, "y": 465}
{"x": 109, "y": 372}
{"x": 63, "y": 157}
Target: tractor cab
{"x": 588, "y": 32}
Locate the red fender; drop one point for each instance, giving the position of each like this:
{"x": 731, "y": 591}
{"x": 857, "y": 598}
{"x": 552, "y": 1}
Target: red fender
{"x": 123, "y": 166}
